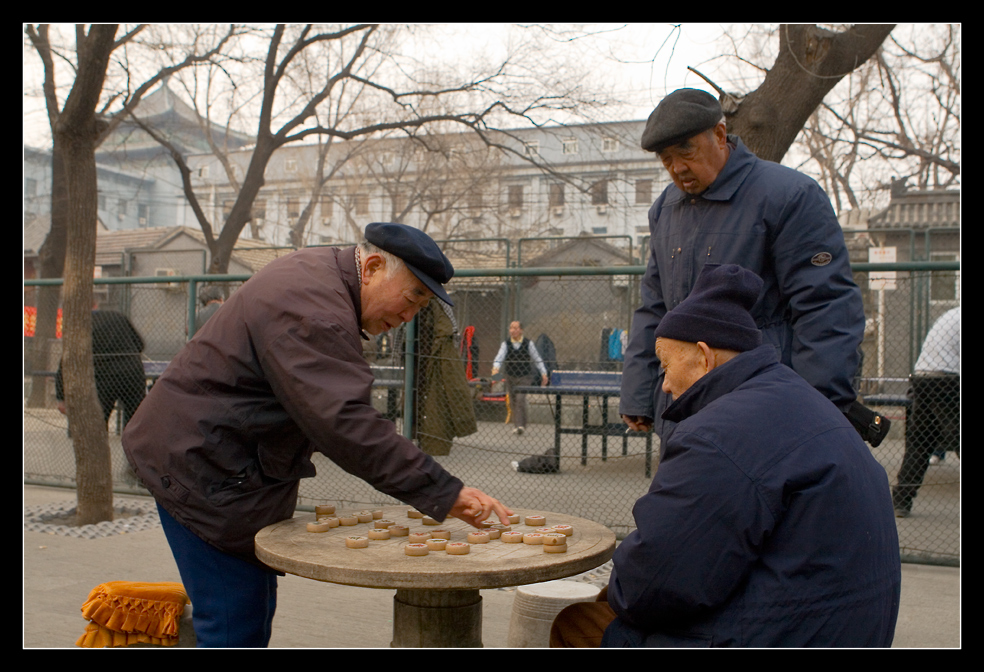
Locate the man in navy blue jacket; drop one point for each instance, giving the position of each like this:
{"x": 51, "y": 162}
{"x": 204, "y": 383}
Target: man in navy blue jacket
{"x": 769, "y": 523}
{"x": 727, "y": 206}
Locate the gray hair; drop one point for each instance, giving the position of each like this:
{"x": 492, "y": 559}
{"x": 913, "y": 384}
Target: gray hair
{"x": 393, "y": 262}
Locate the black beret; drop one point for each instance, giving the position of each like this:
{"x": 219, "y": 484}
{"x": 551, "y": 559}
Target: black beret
{"x": 680, "y": 116}
{"x": 418, "y": 251}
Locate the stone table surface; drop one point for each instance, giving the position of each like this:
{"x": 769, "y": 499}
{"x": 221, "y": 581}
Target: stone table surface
{"x": 323, "y": 556}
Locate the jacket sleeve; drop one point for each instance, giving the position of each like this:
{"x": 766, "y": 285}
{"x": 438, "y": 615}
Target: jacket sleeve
{"x": 826, "y": 311}
{"x": 699, "y": 530}
{"x": 640, "y": 370}
{"x": 325, "y": 385}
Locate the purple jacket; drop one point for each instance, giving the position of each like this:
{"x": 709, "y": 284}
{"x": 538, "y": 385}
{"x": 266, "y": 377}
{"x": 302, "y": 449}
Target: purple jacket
{"x": 768, "y": 524}
{"x": 228, "y": 430}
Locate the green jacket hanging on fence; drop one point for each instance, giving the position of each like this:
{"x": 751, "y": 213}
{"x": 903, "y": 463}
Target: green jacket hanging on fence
{"x": 445, "y": 401}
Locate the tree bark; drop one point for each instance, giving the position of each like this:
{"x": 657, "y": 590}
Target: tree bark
{"x": 811, "y": 62}
{"x": 77, "y": 132}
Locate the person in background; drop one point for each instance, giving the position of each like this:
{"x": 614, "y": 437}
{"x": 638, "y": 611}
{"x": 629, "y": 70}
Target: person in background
{"x": 933, "y": 420}
{"x": 211, "y": 298}
{"x": 519, "y": 361}
{"x": 116, "y": 357}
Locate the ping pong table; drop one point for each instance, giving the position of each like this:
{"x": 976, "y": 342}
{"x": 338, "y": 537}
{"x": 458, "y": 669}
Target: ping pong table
{"x": 588, "y": 384}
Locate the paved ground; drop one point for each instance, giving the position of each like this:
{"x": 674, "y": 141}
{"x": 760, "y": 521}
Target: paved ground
{"x": 60, "y": 570}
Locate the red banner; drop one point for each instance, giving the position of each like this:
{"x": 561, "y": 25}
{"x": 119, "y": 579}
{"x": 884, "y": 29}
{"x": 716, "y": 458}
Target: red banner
{"x": 31, "y": 316}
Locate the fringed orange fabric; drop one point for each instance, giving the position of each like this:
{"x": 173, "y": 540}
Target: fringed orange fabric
{"x": 127, "y": 612}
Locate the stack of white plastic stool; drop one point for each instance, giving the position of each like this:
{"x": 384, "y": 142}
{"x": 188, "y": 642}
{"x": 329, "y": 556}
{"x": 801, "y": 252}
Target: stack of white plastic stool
{"x": 535, "y": 607}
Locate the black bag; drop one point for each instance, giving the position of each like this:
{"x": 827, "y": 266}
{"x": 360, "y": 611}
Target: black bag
{"x": 539, "y": 464}
{"x": 873, "y": 427}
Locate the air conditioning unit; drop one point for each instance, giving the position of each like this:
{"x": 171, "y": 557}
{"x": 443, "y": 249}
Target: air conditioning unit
{"x": 515, "y": 213}
{"x": 558, "y": 210}
{"x": 166, "y": 273}
{"x": 602, "y": 209}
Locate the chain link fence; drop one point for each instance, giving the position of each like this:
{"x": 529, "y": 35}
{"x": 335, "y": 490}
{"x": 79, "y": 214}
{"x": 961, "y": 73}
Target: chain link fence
{"x": 436, "y": 379}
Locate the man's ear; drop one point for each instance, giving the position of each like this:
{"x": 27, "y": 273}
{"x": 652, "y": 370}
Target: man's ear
{"x": 374, "y": 264}
{"x": 708, "y": 355}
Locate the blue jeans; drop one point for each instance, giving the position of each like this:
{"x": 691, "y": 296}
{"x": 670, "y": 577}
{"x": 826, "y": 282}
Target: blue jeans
{"x": 232, "y": 601}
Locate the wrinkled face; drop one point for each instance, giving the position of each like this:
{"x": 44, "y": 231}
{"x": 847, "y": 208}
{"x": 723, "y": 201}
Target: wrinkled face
{"x": 515, "y": 331}
{"x": 389, "y": 299}
{"x": 683, "y": 365}
{"x": 695, "y": 163}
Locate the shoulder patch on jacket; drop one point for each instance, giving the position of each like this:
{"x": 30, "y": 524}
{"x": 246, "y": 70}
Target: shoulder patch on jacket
{"x": 821, "y": 259}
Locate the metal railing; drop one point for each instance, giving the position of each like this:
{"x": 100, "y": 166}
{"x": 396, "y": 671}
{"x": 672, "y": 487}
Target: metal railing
{"x": 577, "y": 316}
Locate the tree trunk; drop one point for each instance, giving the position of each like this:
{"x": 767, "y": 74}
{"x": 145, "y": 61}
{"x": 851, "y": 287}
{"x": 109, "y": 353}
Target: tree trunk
{"x": 77, "y": 133}
{"x": 241, "y": 212}
{"x": 811, "y": 62}
{"x": 90, "y": 440}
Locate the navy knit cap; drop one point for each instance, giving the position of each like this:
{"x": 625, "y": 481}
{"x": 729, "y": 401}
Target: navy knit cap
{"x": 418, "y": 251}
{"x": 717, "y": 310}
{"x": 680, "y": 116}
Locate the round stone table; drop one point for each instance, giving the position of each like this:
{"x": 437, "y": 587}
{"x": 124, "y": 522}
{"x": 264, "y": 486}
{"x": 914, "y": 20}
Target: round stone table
{"x": 437, "y": 602}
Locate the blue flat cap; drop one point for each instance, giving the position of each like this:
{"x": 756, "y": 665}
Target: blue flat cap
{"x": 680, "y": 116}
{"x": 418, "y": 251}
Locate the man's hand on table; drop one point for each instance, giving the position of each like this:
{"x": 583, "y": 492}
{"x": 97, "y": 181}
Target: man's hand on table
{"x": 473, "y": 506}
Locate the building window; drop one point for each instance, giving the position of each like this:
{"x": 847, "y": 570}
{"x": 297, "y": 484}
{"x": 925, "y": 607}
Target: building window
{"x": 609, "y": 145}
{"x": 599, "y": 230}
{"x": 644, "y": 192}
{"x": 203, "y": 172}
{"x": 290, "y": 166}
{"x": 293, "y": 208}
{"x": 143, "y": 214}
{"x": 556, "y": 195}
{"x": 102, "y": 202}
{"x": 360, "y": 202}
{"x": 532, "y": 148}
{"x": 944, "y": 286}
{"x": 258, "y": 211}
{"x": 599, "y": 193}
{"x": 475, "y": 202}
{"x": 570, "y": 146}
{"x": 516, "y": 197}
{"x": 327, "y": 207}
{"x": 120, "y": 209}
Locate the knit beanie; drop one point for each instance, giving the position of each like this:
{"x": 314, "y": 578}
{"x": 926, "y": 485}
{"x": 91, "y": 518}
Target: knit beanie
{"x": 717, "y": 310}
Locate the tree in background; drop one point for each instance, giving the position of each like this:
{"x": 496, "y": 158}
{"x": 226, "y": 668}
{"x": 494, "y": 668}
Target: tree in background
{"x": 857, "y": 106}
{"x": 90, "y": 110}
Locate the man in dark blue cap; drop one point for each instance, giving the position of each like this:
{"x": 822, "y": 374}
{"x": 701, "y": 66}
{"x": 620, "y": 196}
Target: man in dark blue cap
{"x": 229, "y": 429}
{"x": 727, "y": 206}
{"x": 768, "y": 523}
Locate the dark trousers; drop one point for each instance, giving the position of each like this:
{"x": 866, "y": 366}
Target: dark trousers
{"x": 232, "y": 601}
{"x": 932, "y": 423}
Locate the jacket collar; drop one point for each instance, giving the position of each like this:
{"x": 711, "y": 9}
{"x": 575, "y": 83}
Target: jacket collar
{"x": 350, "y": 278}
{"x": 720, "y": 382}
{"x": 725, "y": 185}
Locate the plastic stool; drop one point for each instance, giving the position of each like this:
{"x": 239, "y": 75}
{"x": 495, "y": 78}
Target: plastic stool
{"x": 535, "y": 607}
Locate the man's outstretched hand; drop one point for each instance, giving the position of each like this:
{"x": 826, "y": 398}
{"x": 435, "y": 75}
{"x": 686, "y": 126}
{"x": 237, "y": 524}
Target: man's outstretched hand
{"x": 473, "y": 506}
